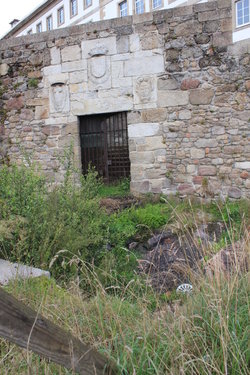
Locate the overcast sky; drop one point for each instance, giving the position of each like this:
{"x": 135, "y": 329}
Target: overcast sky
{"x": 10, "y": 9}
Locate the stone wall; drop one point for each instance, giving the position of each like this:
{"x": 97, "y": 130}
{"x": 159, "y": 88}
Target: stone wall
{"x": 184, "y": 86}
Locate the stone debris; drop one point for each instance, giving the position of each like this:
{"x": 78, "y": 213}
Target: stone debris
{"x": 11, "y": 271}
{"x": 229, "y": 260}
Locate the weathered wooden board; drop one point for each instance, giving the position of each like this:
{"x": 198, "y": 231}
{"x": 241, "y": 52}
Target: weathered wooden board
{"x": 26, "y": 328}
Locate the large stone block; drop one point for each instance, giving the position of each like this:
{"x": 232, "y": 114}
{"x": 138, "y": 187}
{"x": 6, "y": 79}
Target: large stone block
{"x": 169, "y": 98}
{"x": 167, "y": 84}
{"x": 207, "y": 170}
{"x": 71, "y": 53}
{"x": 140, "y": 186}
{"x": 206, "y": 142}
{"x": 55, "y": 56}
{"x": 188, "y": 28}
{"x": 143, "y": 130}
{"x": 197, "y": 153}
{"x": 154, "y": 115}
{"x": 143, "y": 157}
{"x": 106, "y": 45}
{"x": 243, "y": 165}
{"x": 143, "y": 65}
{"x": 200, "y": 96}
{"x": 72, "y": 66}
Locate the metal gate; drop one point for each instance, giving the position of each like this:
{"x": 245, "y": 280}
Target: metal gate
{"x": 104, "y": 145}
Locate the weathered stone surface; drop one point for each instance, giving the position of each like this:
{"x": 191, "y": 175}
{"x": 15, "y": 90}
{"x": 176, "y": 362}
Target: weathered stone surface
{"x": 15, "y": 103}
{"x": 234, "y": 193}
{"x": 206, "y": 142}
{"x": 218, "y": 130}
{"x": 4, "y": 69}
{"x": 143, "y": 130}
{"x": 104, "y": 45}
{"x": 207, "y": 170}
{"x": 172, "y": 54}
{"x": 189, "y": 83}
{"x": 187, "y": 99}
{"x": 202, "y": 38}
{"x": 244, "y": 175}
{"x": 184, "y": 115}
{"x": 154, "y": 115}
{"x": 247, "y": 85}
{"x": 200, "y": 96}
{"x": 122, "y": 44}
{"x": 55, "y": 56}
{"x": 243, "y": 165}
{"x": 188, "y": 27}
{"x": 186, "y": 189}
{"x": 143, "y": 65}
{"x": 169, "y": 98}
{"x": 197, "y": 153}
{"x": 167, "y": 84}
{"x": 71, "y": 53}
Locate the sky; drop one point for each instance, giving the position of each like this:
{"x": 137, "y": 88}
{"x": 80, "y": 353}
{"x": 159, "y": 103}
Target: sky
{"x": 10, "y": 9}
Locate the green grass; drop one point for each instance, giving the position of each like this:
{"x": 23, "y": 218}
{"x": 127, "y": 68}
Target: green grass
{"x": 205, "y": 333}
{"x": 97, "y": 293}
{"x": 118, "y": 189}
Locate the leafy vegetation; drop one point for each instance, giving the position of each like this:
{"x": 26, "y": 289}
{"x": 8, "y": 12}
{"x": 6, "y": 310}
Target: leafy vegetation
{"x": 96, "y": 292}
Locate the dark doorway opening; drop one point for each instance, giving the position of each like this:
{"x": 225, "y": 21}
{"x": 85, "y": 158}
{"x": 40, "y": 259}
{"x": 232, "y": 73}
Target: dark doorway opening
{"x": 104, "y": 145}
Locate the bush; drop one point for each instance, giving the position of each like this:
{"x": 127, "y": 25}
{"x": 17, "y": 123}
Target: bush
{"x": 42, "y": 223}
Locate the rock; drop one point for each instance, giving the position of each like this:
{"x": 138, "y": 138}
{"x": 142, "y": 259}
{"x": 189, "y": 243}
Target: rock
{"x": 206, "y": 142}
{"x": 167, "y": 84}
{"x": 243, "y": 165}
{"x": 11, "y": 271}
{"x": 197, "y": 153}
{"x": 4, "y": 69}
{"x": 15, "y": 103}
{"x": 202, "y": 38}
{"x": 207, "y": 170}
{"x": 189, "y": 83}
{"x": 200, "y": 96}
{"x": 71, "y": 53}
{"x": 168, "y": 98}
{"x": 185, "y": 189}
{"x": 244, "y": 175}
{"x": 234, "y": 193}
{"x": 143, "y": 130}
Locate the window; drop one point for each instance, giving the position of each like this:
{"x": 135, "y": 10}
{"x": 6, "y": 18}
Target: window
{"x": 139, "y": 6}
{"x": 156, "y": 4}
{"x": 242, "y": 12}
{"x": 87, "y": 3}
{"x": 39, "y": 27}
{"x": 49, "y": 23}
{"x": 60, "y": 16}
{"x": 123, "y": 8}
{"x": 73, "y": 8}
{"x": 29, "y": 32}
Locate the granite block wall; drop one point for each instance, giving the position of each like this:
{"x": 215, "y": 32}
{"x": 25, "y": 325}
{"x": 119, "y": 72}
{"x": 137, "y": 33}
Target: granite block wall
{"x": 184, "y": 86}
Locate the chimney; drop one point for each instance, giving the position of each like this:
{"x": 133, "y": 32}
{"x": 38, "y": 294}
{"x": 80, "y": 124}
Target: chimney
{"x": 14, "y": 23}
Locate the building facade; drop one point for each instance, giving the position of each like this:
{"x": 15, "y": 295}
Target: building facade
{"x": 54, "y": 14}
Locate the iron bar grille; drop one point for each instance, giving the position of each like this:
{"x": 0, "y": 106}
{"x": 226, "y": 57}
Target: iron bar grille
{"x": 104, "y": 145}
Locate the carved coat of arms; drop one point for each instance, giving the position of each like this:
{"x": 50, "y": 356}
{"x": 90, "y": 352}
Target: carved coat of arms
{"x": 98, "y": 66}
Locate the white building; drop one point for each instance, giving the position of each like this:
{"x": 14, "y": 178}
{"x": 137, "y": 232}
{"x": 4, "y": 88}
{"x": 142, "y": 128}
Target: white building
{"x": 54, "y": 14}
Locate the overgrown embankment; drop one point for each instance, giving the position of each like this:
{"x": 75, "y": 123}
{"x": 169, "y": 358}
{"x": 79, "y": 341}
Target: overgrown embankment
{"x": 97, "y": 291}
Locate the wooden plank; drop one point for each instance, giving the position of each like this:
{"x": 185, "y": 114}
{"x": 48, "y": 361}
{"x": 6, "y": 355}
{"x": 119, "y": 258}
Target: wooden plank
{"x": 26, "y": 328}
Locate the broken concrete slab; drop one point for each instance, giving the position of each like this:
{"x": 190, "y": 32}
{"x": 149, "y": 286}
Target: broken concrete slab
{"x": 11, "y": 271}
